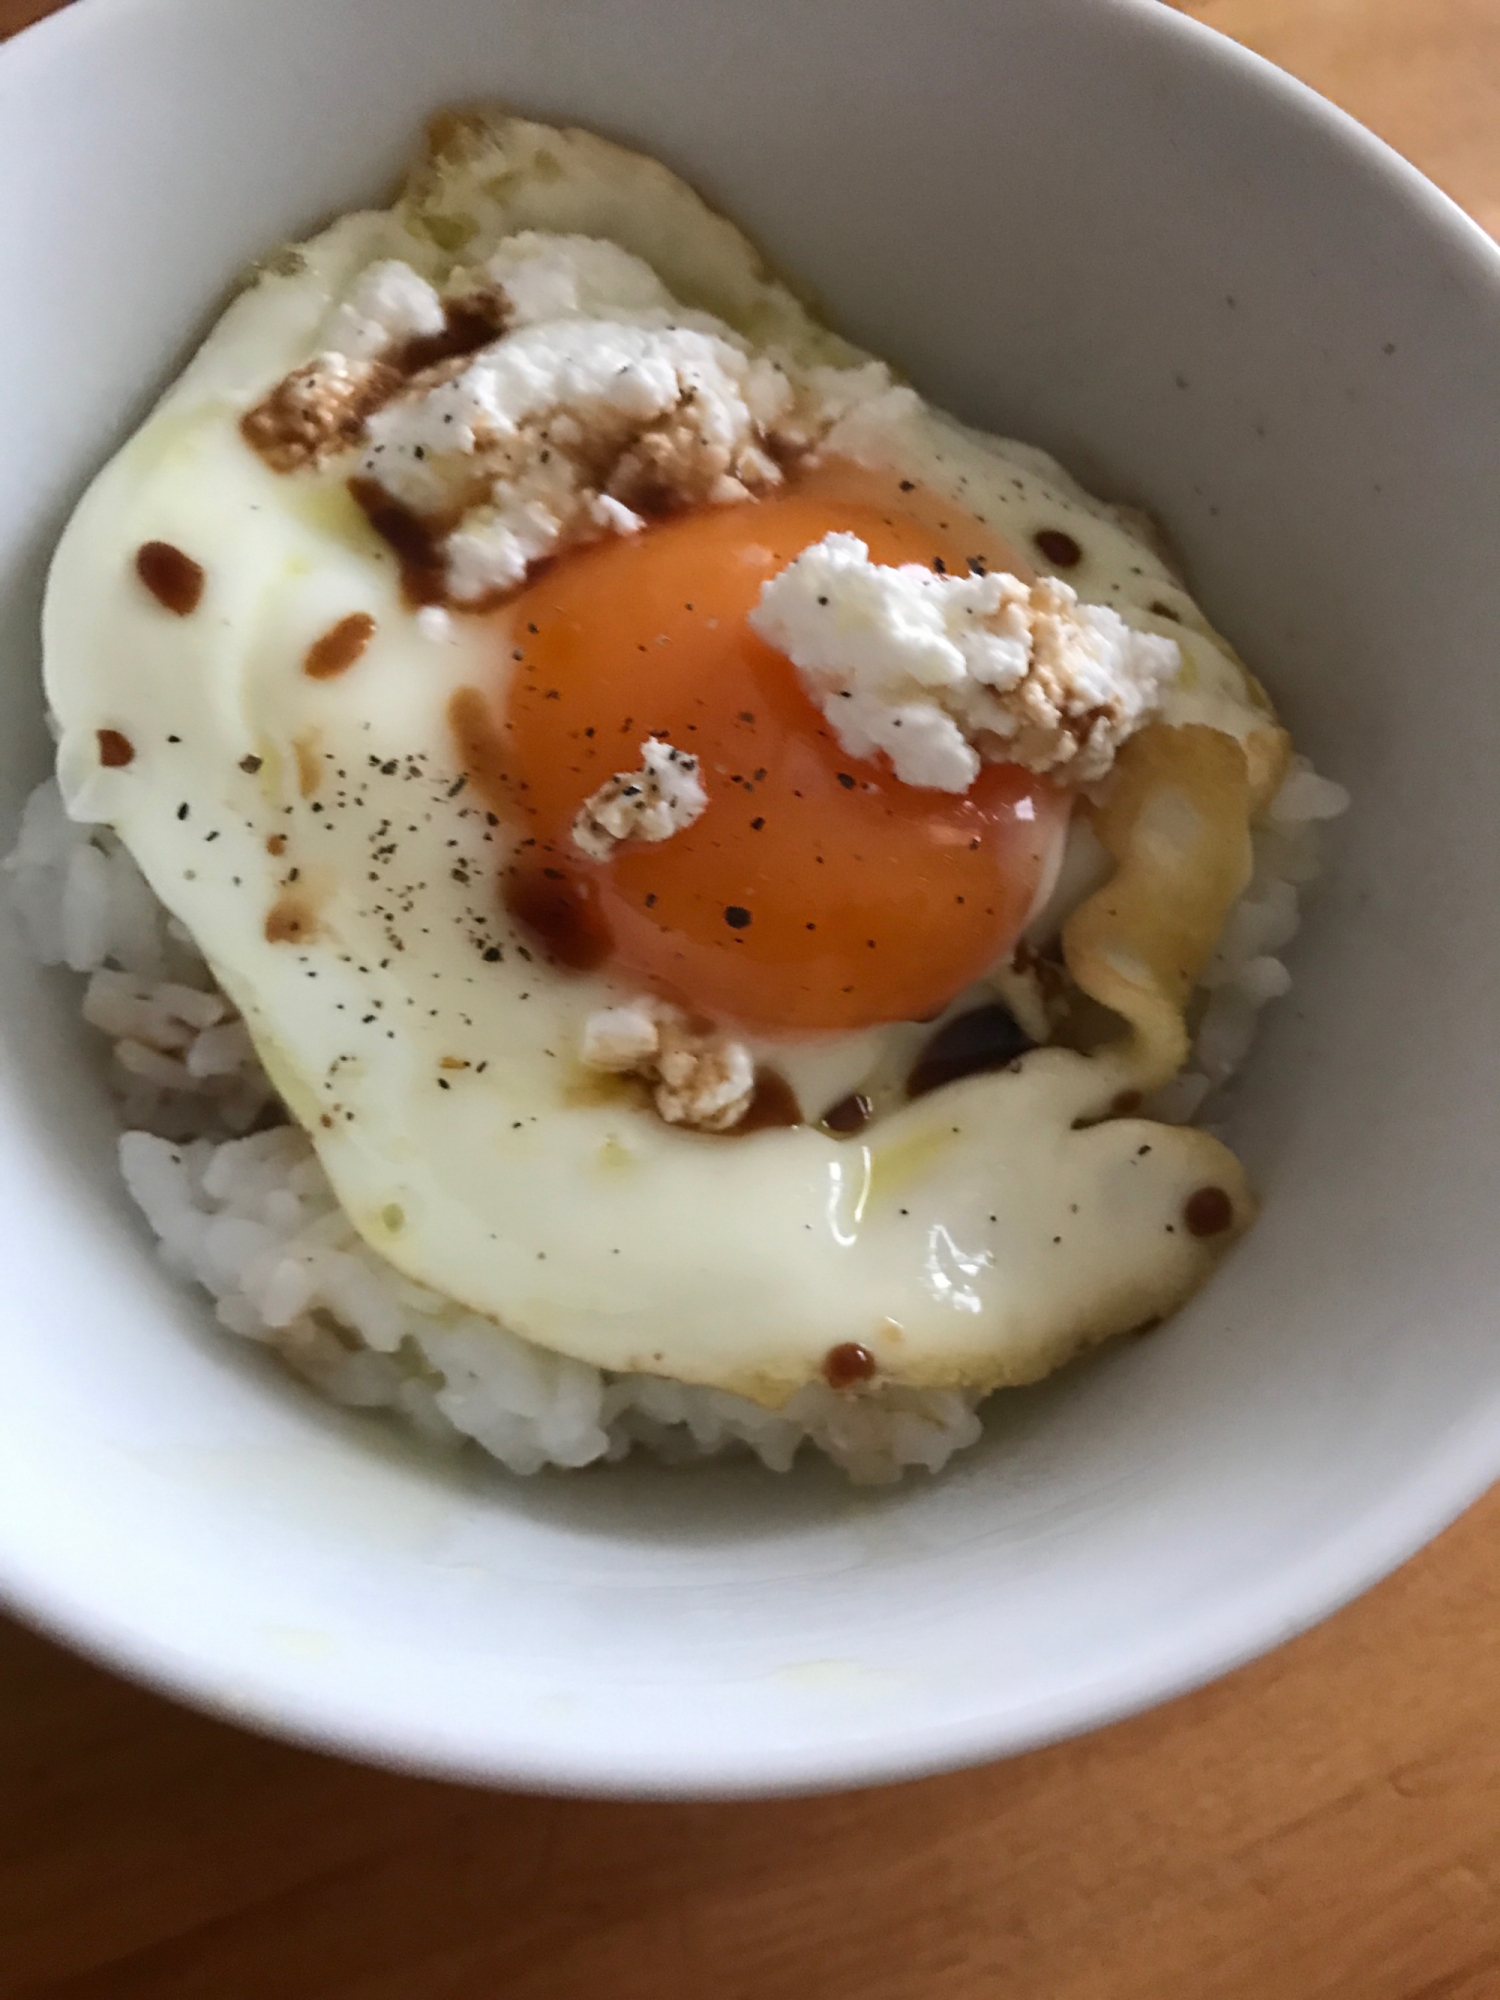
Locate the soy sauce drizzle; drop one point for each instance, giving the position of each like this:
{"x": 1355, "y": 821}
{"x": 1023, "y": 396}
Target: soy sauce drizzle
{"x": 987, "y": 1038}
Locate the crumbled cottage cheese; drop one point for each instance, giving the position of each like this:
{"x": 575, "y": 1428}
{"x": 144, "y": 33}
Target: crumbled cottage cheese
{"x": 389, "y": 303}
{"x": 705, "y": 1080}
{"x": 650, "y": 804}
{"x": 662, "y": 413}
{"x": 943, "y": 672}
{"x": 582, "y": 399}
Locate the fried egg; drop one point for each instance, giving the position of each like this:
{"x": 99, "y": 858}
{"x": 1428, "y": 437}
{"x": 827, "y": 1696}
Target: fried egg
{"x": 460, "y": 505}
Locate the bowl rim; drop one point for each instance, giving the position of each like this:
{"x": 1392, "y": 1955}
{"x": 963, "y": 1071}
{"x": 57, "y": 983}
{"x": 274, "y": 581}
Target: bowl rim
{"x": 272, "y": 1700}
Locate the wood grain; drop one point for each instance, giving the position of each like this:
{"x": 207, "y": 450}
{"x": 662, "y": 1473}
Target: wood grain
{"x": 18, "y": 14}
{"x": 1324, "y": 1825}
{"x": 1424, "y": 74}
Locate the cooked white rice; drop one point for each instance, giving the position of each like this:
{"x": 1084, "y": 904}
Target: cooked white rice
{"x": 239, "y": 1202}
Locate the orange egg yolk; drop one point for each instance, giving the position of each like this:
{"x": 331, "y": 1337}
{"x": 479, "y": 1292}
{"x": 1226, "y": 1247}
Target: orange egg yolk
{"x": 816, "y": 892}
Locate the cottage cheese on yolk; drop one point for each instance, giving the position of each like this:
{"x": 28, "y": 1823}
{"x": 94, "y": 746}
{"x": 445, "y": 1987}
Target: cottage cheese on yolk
{"x": 925, "y": 667}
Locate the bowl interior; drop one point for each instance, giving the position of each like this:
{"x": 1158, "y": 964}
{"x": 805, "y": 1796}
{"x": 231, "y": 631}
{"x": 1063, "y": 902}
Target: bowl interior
{"x": 1103, "y": 230}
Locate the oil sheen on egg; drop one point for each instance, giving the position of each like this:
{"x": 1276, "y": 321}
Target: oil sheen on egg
{"x": 285, "y": 759}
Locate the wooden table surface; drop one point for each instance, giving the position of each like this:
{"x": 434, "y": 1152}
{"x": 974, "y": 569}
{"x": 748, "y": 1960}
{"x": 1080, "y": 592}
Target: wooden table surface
{"x": 1324, "y": 1825}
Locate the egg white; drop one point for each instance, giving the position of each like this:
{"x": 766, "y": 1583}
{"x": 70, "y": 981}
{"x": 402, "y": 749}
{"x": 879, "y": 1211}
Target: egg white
{"x": 974, "y": 1237}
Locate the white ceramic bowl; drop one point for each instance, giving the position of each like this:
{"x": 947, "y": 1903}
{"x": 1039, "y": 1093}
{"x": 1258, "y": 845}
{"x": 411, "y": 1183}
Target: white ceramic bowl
{"x": 1096, "y": 225}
